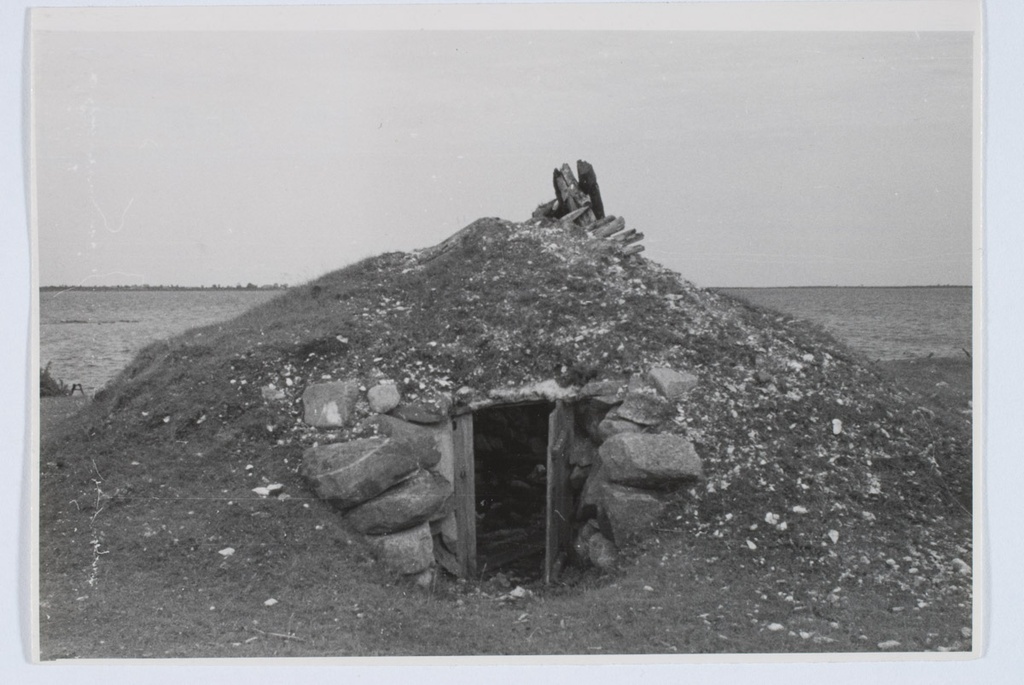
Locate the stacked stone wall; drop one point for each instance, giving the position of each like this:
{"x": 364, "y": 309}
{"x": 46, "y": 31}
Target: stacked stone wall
{"x": 397, "y": 488}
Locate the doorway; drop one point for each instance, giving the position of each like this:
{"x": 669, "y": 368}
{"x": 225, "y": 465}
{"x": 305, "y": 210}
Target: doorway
{"x": 510, "y": 446}
{"x": 514, "y": 506}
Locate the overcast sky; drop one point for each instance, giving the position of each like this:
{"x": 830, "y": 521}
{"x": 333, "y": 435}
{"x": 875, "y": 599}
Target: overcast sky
{"x": 748, "y": 159}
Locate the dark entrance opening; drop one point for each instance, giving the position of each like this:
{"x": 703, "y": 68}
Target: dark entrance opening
{"x": 510, "y": 458}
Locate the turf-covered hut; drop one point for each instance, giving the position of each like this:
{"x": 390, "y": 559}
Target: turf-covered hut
{"x": 522, "y": 400}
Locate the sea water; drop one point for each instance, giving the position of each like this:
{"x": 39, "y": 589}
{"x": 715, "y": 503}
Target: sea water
{"x": 90, "y": 335}
{"x": 880, "y": 323}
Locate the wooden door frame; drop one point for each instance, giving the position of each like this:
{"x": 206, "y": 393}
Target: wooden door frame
{"x": 558, "y": 503}
{"x": 465, "y": 494}
{"x": 558, "y": 500}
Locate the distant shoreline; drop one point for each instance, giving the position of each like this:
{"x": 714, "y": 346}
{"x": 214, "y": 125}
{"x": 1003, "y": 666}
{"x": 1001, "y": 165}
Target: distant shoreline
{"x": 218, "y": 288}
{"x": 834, "y": 287}
{"x": 158, "y": 288}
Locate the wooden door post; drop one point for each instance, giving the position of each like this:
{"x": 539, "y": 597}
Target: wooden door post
{"x": 559, "y": 495}
{"x": 465, "y": 495}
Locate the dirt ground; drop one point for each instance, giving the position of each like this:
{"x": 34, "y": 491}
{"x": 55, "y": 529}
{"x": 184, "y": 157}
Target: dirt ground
{"x": 168, "y": 592}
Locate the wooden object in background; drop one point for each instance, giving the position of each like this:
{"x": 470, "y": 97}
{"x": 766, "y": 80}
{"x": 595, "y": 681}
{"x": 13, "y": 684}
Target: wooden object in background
{"x": 600, "y": 223}
{"x": 588, "y": 184}
{"x": 611, "y": 228}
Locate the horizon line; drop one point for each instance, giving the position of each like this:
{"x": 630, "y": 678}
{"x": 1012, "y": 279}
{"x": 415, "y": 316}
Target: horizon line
{"x": 284, "y": 286}
{"x": 784, "y": 287}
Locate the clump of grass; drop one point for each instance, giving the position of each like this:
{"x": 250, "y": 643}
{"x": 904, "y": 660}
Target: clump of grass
{"x": 50, "y": 386}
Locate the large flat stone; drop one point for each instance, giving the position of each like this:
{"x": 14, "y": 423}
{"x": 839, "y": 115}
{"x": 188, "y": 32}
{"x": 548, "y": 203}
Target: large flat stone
{"x": 422, "y": 497}
{"x": 671, "y": 383}
{"x": 383, "y": 397}
{"x": 350, "y": 473}
{"x": 589, "y": 415}
{"x": 441, "y": 433}
{"x": 639, "y": 383}
{"x": 394, "y": 427}
{"x": 419, "y": 412}
{"x": 448, "y": 528}
{"x": 645, "y": 409}
{"x": 578, "y": 477}
{"x": 613, "y": 426}
{"x": 629, "y": 510}
{"x": 406, "y": 552}
{"x": 599, "y": 388}
{"x": 329, "y": 405}
{"x": 590, "y": 495}
{"x": 649, "y": 460}
{"x": 583, "y": 451}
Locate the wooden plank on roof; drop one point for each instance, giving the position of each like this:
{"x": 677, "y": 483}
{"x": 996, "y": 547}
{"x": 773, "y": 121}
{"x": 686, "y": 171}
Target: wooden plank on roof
{"x": 611, "y": 228}
{"x": 600, "y": 223}
{"x": 624, "y": 236}
{"x": 570, "y": 196}
{"x": 588, "y": 184}
{"x": 575, "y": 214}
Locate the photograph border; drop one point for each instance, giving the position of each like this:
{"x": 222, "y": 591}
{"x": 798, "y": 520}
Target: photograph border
{"x": 944, "y": 16}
